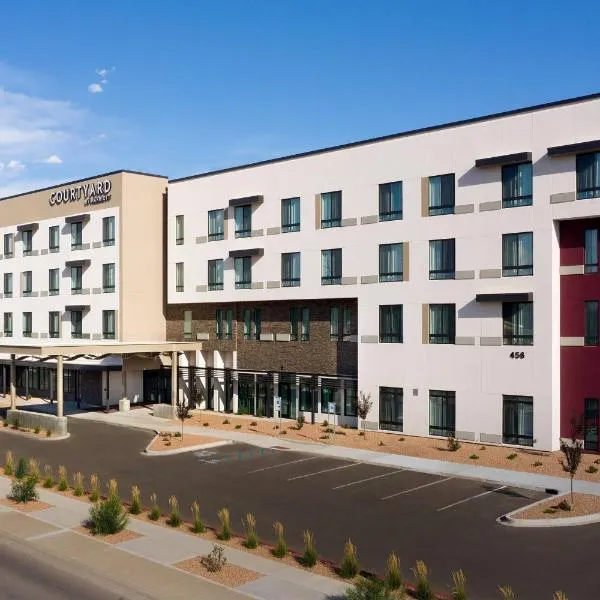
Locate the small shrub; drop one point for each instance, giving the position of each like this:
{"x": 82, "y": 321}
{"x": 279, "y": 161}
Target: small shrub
{"x": 36, "y": 429}
{"x": 249, "y": 524}
{"x": 9, "y": 464}
{"x": 275, "y": 426}
{"x": 238, "y": 426}
{"x": 4, "y": 423}
{"x": 325, "y": 423}
{"x": 283, "y": 432}
{"x": 15, "y": 424}
{"x": 340, "y": 432}
{"x": 453, "y": 444}
{"x": 33, "y": 469}
{"x": 563, "y": 505}
{"x": 512, "y": 456}
{"x": 402, "y": 439}
{"x": 361, "y": 433}
{"x": 482, "y": 448}
{"x": 328, "y": 430}
{"x": 154, "y": 514}
{"x": 107, "y": 516}
{"x": 225, "y": 531}
{"x": 560, "y": 596}
{"x": 226, "y": 422}
{"x": 281, "y": 548}
{"x": 21, "y": 470}
{"x": 78, "y": 484}
{"x": 63, "y": 484}
{"x": 48, "y": 477}
{"x": 197, "y": 523}
{"x": 300, "y": 420}
{"x": 174, "y": 519}
{"x": 48, "y": 432}
{"x": 136, "y": 501}
{"x": 310, "y": 555}
{"x": 597, "y": 461}
{"x": 324, "y": 437}
{"x": 550, "y": 511}
{"x": 177, "y": 434}
{"x": 381, "y": 443}
{"x": 506, "y": 592}
{"x": 215, "y": 560}
{"x": 94, "y": 488}
{"x": 393, "y": 574}
{"x": 423, "y": 589}
{"x": 591, "y": 469}
{"x": 349, "y": 566}
{"x": 474, "y": 457}
{"x": 205, "y": 424}
{"x": 459, "y": 585}
{"x": 253, "y": 423}
{"x": 370, "y": 589}
{"x": 23, "y": 490}
{"x": 538, "y": 463}
{"x": 112, "y": 487}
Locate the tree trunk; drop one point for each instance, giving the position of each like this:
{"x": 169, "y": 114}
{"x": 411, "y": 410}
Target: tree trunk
{"x": 572, "y": 503}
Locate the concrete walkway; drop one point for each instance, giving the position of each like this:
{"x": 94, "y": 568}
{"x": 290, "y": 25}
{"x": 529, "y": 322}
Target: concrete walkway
{"x": 142, "y": 418}
{"x": 146, "y": 564}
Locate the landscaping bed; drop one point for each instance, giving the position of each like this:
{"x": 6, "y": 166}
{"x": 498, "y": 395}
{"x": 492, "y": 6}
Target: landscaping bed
{"x": 114, "y": 538}
{"x": 555, "y": 508}
{"x": 25, "y": 507}
{"x": 167, "y": 442}
{"x": 229, "y": 575}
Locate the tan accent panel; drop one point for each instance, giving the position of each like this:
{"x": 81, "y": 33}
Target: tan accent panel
{"x": 35, "y": 207}
{"x": 405, "y": 262}
{"x": 425, "y": 324}
{"x": 317, "y": 211}
{"x": 141, "y": 266}
{"x": 424, "y": 196}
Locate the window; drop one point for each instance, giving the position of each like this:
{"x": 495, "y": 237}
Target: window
{"x": 257, "y": 323}
{"x": 441, "y": 195}
{"x": 441, "y": 259}
{"x": 27, "y": 324}
{"x": 290, "y": 269}
{"x": 243, "y": 272}
{"x": 390, "y": 324}
{"x": 8, "y": 285}
{"x": 179, "y": 277}
{"x": 442, "y": 413}
{"x": 108, "y": 277}
{"x": 331, "y": 267}
{"x": 334, "y": 323}
{"x": 347, "y": 322}
{"x": 517, "y": 254}
{"x": 224, "y": 323}
{"x": 216, "y": 225}
{"x": 76, "y": 324}
{"x": 243, "y": 221}
{"x": 591, "y": 421}
{"x": 76, "y": 235}
{"x": 53, "y": 238}
{"x": 390, "y": 201}
{"x": 305, "y": 329}
{"x": 294, "y": 324}
{"x": 179, "y": 230}
{"x": 252, "y": 323}
{"x": 290, "y": 215}
{"x": 588, "y": 175}
{"x": 391, "y": 408}
{"x": 53, "y": 282}
{"x": 390, "y": 262}
{"x": 331, "y": 210}
{"x": 517, "y": 185}
{"x": 442, "y": 318}
{"x": 54, "y": 324}
{"x": 9, "y": 245}
{"x": 299, "y": 324}
{"x": 27, "y": 240}
{"x": 76, "y": 279}
{"x": 591, "y": 323}
{"x": 518, "y": 323}
{"x": 215, "y": 274}
{"x": 517, "y": 420}
{"x": 8, "y": 324}
{"x": 590, "y": 252}
{"x": 187, "y": 324}
{"x": 108, "y": 324}
{"x": 328, "y": 396}
{"x": 350, "y": 401}
{"x": 305, "y": 402}
{"x": 26, "y": 283}
{"x": 108, "y": 231}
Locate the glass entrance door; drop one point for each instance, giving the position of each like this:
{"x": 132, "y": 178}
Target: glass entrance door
{"x": 157, "y": 386}
{"x": 591, "y": 423}
{"x": 287, "y": 391}
{"x": 264, "y": 397}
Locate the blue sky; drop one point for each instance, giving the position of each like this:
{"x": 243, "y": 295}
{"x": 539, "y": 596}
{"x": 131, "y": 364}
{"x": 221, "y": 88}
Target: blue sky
{"x": 190, "y": 86}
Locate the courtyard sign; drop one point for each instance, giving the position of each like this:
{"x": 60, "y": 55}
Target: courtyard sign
{"x": 91, "y": 193}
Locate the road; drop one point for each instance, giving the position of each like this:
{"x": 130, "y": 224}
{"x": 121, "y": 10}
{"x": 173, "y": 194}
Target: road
{"x": 447, "y": 522}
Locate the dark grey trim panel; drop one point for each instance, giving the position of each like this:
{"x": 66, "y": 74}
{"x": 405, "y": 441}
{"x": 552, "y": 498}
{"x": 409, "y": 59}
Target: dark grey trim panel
{"x": 84, "y": 262}
{"x": 248, "y": 252}
{"x": 504, "y": 159}
{"x": 591, "y": 146}
{"x": 507, "y": 297}
{"x": 27, "y": 226}
{"x": 77, "y": 307}
{"x": 243, "y": 201}
{"x": 75, "y": 218}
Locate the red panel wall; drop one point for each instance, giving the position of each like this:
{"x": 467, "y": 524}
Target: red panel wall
{"x": 579, "y": 366}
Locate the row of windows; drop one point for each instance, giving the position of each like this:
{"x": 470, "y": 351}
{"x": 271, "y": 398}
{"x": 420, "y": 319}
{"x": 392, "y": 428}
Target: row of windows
{"x": 517, "y": 190}
{"x": 54, "y": 329}
{"x": 76, "y": 274}
{"x": 517, "y": 260}
{"x": 517, "y": 414}
{"x": 76, "y": 231}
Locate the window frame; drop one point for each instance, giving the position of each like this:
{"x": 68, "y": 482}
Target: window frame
{"x": 445, "y": 207}
{"x": 512, "y": 339}
{"x": 290, "y": 281}
{"x": 53, "y": 315}
{"x": 290, "y": 227}
{"x": 336, "y": 203}
{"x": 77, "y": 281}
{"x": 108, "y": 273}
{"x": 76, "y": 320}
{"x": 53, "y": 291}
{"x": 388, "y": 311}
{"x": 590, "y": 267}
{"x": 27, "y": 241}
{"x": 509, "y": 174}
{"x": 246, "y": 220}
{"x": 517, "y": 270}
{"x": 9, "y": 244}
{"x": 391, "y": 276}
{"x": 214, "y": 285}
{"x": 107, "y": 334}
{"x": 336, "y": 278}
{"x": 27, "y": 322}
{"x": 8, "y": 320}
{"x": 395, "y": 396}
{"x": 386, "y": 197}
{"x": 54, "y": 244}
{"x": 447, "y": 335}
{"x": 443, "y": 274}
{"x": 510, "y": 437}
{"x": 448, "y": 407}
{"x": 218, "y": 235}
{"x": 224, "y": 324}
{"x": 8, "y": 279}
{"x": 76, "y": 231}
{"x": 179, "y": 230}
{"x": 108, "y": 231}
{"x": 27, "y": 283}
{"x": 591, "y": 314}
{"x": 246, "y": 271}
{"x": 587, "y": 192}
{"x": 179, "y": 277}
{"x": 334, "y": 323}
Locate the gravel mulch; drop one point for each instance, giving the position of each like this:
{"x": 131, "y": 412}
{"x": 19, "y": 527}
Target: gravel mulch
{"x": 230, "y": 575}
{"x": 162, "y": 443}
{"x": 26, "y": 507}
{"x": 116, "y": 538}
{"x": 584, "y": 504}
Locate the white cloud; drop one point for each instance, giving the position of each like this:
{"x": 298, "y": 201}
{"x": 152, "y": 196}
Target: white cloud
{"x": 94, "y": 88}
{"x": 53, "y": 159}
{"x": 102, "y": 72}
{"x": 15, "y": 166}
{"x": 104, "y": 81}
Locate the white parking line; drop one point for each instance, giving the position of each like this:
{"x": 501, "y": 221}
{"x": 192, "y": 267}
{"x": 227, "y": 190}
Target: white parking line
{"x": 345, "y": 485}
{"x": 324, "y": 471}
{"x": 419, "y": 487}
{"x": 291, "y": 462}
{"x": 471, "y": 498}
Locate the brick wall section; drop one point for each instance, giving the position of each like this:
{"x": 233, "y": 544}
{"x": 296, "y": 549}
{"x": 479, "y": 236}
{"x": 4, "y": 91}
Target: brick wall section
{"x": 318, "y": 355}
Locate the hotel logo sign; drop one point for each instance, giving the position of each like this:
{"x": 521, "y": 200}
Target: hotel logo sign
{"x": 96, "y": 192}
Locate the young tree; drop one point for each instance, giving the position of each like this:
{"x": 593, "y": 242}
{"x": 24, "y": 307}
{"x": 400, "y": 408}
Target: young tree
{"x": 573, "y": 452}
{"x": 363, "y": 406}
{"x": 183, "y": 413}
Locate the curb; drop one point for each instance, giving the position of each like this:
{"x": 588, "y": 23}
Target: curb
{"x": 148, "y": 452}
{"x": 509, "y": 521}
{"x": 36, "y": 436}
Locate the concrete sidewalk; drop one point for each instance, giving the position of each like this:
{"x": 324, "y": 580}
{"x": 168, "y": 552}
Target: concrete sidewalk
{"x": 146, "y": 564}
{"x": 142, "y": 418}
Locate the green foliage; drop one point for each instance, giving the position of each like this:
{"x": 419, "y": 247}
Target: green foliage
{"x": 506, "y": 592}
{"x": 310, "y": 555}
{"x": 238, "y": 426}
{"x": 197, "y": 523}
{"x": 94, "y": 488}
{"x": 591, "y": 469}
{"x": 573, "y": 453}
{"x": 369, "y": 589}
{"x": 36, "y": 429}
{"x": 136, "y": 501}
{"x": 174, "y": 519}
{"x": 474, "y": 457}
{"x": 107, "y": 516}
{"x": 5, "y": 424}
{"x": 349, "y": 566}
{"x": 33, "y": 469}
{"x": 15, "y": 424}
{"x": 23, "y": 490}
{"x": 205, "y": 424}
{"x": 9, "y": 464}
{"x": 48, "y": 477}
{"x": 22, "y": 469}
{"x": 281, "y": 548}
{"x": 325, "y": 423}
{"x": 393, "y": 576}
{"x": 563, "y": 505}
{"x": 78, "y": 484}
{"x": 328, "y": 430}
{"x": 183, "y": 412}
{"x": 459, "y": 585}
{"x": 225, "y": 531}
{"x": 48, "y": 432}
{"x": 253, "y": 424}
{"x": 177, "y": 434}
{"x": 401, "y": 439}
{"x": 226, "y": 422}
{"x": 512, "y": 456}
{"x": 381, "y": 443}
{"x": 215, "y": 560}
{"x": 560, "y": 596}
{"x": 249, "y": 524}
{"x": 597, "y": 461}
{"x": 549, "y": 511}
{"x": 300, "y": 420}
{"x": 63, "y": 484}
{"x": 538, "y": 463}
{"x": 453, "y": 444}
{"x": 423, "y": 590}
{"x": 154, "y": 514}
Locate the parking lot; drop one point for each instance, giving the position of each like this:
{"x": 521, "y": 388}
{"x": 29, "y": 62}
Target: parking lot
{"x": 448, "y": 522}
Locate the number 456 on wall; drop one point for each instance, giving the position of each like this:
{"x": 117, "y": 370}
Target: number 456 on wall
{"x": 517, "y": 355}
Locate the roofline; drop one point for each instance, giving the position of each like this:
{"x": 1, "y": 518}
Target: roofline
{"x": 393, "y": 136}
{"x": 51, "y": 187}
